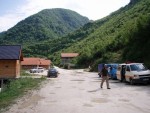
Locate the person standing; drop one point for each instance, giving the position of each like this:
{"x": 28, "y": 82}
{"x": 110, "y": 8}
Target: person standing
{"x": 123, "y": 71}
{"x": 105, "y": 77}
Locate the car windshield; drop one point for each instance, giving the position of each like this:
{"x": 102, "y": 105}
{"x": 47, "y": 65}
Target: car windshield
{"x": 34, "y": 68}
{"x": 138, "y": 67}
{"x": 53, "y": 69}
{"x": 40, "y": 68}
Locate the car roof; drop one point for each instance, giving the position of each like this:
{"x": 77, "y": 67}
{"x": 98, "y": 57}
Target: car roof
{"x": 130, "y": 63}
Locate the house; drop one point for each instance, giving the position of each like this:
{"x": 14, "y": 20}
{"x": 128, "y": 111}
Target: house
{"x": 66, "y": 58}
{"x": 10, "y": 61}
{"x": 29, "y": 63}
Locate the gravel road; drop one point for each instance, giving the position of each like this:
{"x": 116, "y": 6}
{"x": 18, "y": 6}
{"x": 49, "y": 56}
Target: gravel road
{"x": 77, "y": 91}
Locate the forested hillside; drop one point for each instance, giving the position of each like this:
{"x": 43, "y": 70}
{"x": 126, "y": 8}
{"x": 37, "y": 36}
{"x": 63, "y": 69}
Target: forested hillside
{"x": 120, "y": 37}
{"x": 45, "y": 25}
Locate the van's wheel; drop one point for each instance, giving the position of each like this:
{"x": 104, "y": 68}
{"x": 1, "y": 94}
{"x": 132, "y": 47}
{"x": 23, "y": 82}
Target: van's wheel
{"x": 131, "y": 81}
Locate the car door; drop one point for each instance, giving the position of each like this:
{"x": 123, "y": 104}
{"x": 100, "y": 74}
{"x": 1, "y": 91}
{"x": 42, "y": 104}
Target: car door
{"x": 128, "y": 73}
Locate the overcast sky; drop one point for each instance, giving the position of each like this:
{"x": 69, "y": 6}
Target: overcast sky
{"x": 13, "y": 11}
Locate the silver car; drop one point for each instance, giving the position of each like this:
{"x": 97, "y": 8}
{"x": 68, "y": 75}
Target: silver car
{"x": 37, "y": 70}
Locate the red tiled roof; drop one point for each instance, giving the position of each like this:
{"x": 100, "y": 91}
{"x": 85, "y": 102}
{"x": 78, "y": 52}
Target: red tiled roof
{"x": 69, "y": 54}
{"x": 35, "y": 61}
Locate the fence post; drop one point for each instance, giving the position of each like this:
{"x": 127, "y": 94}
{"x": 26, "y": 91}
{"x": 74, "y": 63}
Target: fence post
{"x": 1, "y": 85}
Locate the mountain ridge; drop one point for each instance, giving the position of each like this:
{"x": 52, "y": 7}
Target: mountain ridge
{"x": 48, "y": 23}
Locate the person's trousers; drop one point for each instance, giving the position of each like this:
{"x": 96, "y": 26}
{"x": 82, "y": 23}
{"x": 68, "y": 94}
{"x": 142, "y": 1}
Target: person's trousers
{"x": 103, "y": 80}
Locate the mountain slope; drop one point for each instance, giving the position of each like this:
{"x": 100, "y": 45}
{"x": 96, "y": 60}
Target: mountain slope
{"x": 122, "y": 36}
{"x": 47, "y": 24}
{"x": 48, "y": 47}
{"x": 116, "y": 39}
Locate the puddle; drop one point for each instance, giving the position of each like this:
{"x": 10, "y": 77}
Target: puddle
{"x": 53, "y": 101}
{"x": 75, "y": 74}
{"x": 57, "y": 87}
{"x": 80, "y": 82}
{"x": 95, "y": 81}
{"x": 77, "y": 80}
{"x": 81, "y": 89}
{"x": 73, "y": 86}
{"x": 87, "y": 105}
{"x": 140, "y": 109}
{"x": 94, "y": 90}
{"x": 124, "y": 100}
{"x": 100, "y": 100}
{"x": 31, "y": 100}
{"x": 52, "y": 93}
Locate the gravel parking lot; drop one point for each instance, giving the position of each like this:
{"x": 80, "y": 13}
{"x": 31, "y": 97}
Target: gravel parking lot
{"x": 77, "y": 91}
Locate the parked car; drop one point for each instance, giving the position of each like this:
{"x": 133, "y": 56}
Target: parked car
{"x": 52, "y": 72}
{"x": 112, "y": 70}
{"x": 37, "y": 70}
{"x": 133, "y": 73}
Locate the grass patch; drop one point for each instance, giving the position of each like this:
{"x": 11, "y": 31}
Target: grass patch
{"x": 16, "y": 88}
{"x": 23, "y": 73}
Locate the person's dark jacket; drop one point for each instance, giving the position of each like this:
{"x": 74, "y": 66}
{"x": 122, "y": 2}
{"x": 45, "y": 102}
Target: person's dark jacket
{"x": 104, "y": 72}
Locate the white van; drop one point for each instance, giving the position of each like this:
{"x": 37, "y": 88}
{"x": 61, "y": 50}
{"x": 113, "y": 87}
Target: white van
{"x": 133, "y": 73}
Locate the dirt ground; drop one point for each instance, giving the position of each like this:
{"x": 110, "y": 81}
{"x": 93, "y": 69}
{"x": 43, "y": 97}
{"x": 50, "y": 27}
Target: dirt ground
{"x": 77, "y": 91}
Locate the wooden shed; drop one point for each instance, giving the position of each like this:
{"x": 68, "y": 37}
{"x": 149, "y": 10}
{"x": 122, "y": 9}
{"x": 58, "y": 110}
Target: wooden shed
{"x": 10, "y": 61}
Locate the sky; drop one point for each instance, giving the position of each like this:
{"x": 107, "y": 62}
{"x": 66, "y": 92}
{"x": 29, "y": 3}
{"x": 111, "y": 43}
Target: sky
{"x": 13, "y": 11}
